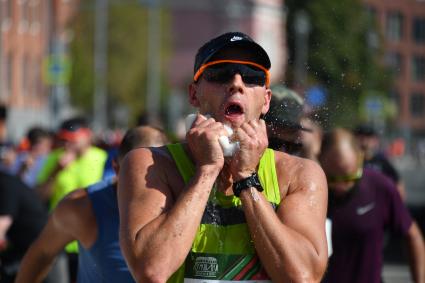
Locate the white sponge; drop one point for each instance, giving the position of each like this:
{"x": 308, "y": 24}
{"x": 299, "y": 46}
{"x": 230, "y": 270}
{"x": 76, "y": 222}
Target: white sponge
{"x": 229, "y": 148}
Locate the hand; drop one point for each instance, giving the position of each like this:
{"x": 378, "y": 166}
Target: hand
{"x": 252, "y": 137}
{"x": 66, "y": 158}
{"x": 203, "y": 142}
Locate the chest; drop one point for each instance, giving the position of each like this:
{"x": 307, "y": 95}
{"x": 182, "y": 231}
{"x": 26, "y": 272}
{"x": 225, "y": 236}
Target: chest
{"x": 361, "y": 217}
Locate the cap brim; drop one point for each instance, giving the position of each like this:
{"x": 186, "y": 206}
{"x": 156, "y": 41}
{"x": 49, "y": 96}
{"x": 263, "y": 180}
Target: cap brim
{"x": 73, "y": 135}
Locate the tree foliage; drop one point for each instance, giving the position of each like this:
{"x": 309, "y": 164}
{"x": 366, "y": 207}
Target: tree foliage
{"x": 127, "y": 56}
{"x": 342, "y": 54}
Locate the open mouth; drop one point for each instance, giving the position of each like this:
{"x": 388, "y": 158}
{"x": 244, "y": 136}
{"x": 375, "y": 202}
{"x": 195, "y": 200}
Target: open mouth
{"x": 233, "y": 109}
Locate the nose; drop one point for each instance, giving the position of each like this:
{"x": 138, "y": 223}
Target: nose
{"x": 236, "y": 84}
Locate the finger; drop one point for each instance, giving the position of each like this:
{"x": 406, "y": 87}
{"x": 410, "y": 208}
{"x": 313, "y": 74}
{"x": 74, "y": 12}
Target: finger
{"x": 249, "y": 129}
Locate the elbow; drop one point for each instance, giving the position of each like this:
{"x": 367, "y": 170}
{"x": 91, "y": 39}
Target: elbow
{"x": 308, "y": 275}
{"x": 305, "y": 277}
{"x": 151, "y": 275}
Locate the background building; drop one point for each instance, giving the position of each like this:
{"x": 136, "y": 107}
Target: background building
{"x": 30, "y": 31}
{"x": 403, "y": 27}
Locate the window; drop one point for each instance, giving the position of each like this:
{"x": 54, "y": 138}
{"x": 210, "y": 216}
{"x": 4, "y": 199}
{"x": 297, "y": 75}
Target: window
{"x": 419, "y": 30}
{"x": 418, "y": 68}
{"x": 6, "y": 13}
{"x": 24, "y": 77}
{"x": 7, "y": 66}
{"x": 394, "y": 27}
{"x": 394, "y": 61}
{"x": 417, "y": 105}
{"x": 34, "y": 15}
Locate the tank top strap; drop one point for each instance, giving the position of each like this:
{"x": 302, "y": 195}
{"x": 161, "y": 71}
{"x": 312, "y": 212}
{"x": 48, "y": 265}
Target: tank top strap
{"x": 266, "y": 170}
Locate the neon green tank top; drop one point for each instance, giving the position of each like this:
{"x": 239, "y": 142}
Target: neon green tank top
{"x": 223, "y": 250}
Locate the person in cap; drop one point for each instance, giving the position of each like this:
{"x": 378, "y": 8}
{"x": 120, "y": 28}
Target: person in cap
{"x": 283, "y": 121}
{"x": 30, "y": 160}
{"x": 75, "y": 164}
{"x": 363, "y": 204}
{"x": 190, "y": 214}
{"x": 368, "y": 139}
{"x": 90, "y": 216}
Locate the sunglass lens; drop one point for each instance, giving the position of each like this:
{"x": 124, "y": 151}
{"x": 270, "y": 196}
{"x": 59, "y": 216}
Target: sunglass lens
{"x": 224, "y": 73}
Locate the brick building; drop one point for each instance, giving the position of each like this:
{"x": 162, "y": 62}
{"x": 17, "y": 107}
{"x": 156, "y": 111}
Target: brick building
{"x": 29, "y": 30}
{"x": 402, "y": 24}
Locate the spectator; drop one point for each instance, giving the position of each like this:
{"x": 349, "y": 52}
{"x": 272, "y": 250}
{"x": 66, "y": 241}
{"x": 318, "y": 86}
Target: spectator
{"x": 91, "y": 217}
{"x": 284, "y": 121}
{"x": 369, "y": 142}
{"x": 29, "y": 162}
{"x": 22, "y": 217}
{"x": 75, "y": 164}
{"x": 363, "y": 203}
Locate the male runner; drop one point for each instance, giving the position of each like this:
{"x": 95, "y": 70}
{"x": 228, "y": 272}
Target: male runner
{"x": 91, "y": 217}
{"x": 363, "y": 204}
{"x": 189, "y": 214}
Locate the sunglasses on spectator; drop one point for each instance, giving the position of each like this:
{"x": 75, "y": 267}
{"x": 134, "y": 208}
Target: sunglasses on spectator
{"x": 285, "y": 146}
{"x": 345, "y": 178}
{"x": 223, "y": 71}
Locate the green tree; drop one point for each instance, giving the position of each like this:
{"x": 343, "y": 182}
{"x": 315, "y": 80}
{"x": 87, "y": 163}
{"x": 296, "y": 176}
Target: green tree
{"x": 342, "y": 57}
{"x": 127, "y": 56}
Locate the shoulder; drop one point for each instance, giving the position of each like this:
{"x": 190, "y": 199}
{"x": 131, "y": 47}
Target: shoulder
{"x": 156, "y": 165}
{"x": 299, "y": 173}
{"x": 155, "y": 157}
{"x": 74, "y": 210}
{"x": 382, "y": 183}
{"x": 96, "y": 151}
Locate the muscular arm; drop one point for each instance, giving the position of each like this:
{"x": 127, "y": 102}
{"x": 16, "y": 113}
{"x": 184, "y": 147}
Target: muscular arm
{"x": 156, "y": 232}
{"x": 416, "y": 250}
{"x": 65, "y": 225}
{"x": 291, "y": 243}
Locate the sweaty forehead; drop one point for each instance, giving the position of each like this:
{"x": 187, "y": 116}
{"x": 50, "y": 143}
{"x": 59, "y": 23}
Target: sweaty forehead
{"x": 235, "y": 53}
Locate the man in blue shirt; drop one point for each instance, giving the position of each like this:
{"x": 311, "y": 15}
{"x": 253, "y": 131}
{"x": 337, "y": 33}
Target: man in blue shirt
{"x": 91, "y": 217}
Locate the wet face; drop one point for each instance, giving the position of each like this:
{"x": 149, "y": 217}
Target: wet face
{"x": 234, "y": 101}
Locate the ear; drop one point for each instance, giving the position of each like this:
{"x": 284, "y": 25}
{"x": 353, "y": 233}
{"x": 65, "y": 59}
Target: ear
{"x": 193, "y": 94}
{"x": 267, "y": 98}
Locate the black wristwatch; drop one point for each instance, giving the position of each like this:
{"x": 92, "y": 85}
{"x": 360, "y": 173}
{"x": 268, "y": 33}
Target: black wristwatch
{"x": 249, "y": 182}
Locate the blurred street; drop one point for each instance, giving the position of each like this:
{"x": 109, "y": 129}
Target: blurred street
{"x": 412, "y": 172}
{"x": 396, "y": 274}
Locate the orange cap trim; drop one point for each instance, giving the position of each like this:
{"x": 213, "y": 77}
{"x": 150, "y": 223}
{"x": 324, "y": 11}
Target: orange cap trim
{"x": 206, "y": 65}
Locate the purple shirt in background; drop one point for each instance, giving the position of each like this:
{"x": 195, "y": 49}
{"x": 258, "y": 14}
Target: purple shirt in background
{"x": 358, "y": 224}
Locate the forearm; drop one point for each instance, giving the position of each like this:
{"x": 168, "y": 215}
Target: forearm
{"x": 34, "y": 267}
{"x": 162, "y": 245}
{"x": 45, "y": 189}
{"x": 416, "y": 249}
{"x": 286, "y": 255}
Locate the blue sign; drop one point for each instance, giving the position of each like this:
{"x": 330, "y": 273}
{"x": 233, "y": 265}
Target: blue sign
{"x": 316, "y": 96}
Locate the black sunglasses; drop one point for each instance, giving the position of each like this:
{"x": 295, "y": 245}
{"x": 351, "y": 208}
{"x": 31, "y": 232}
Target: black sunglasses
{"x": 289, "y": 147}
{"x": 224, "y": 73}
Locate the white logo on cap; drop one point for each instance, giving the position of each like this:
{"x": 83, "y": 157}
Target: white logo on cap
{"x": 236, "y": 38}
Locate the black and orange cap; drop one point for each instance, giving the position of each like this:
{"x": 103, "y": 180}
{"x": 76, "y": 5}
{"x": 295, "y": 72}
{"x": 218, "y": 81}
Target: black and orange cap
{"x": 231, "y": 39}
